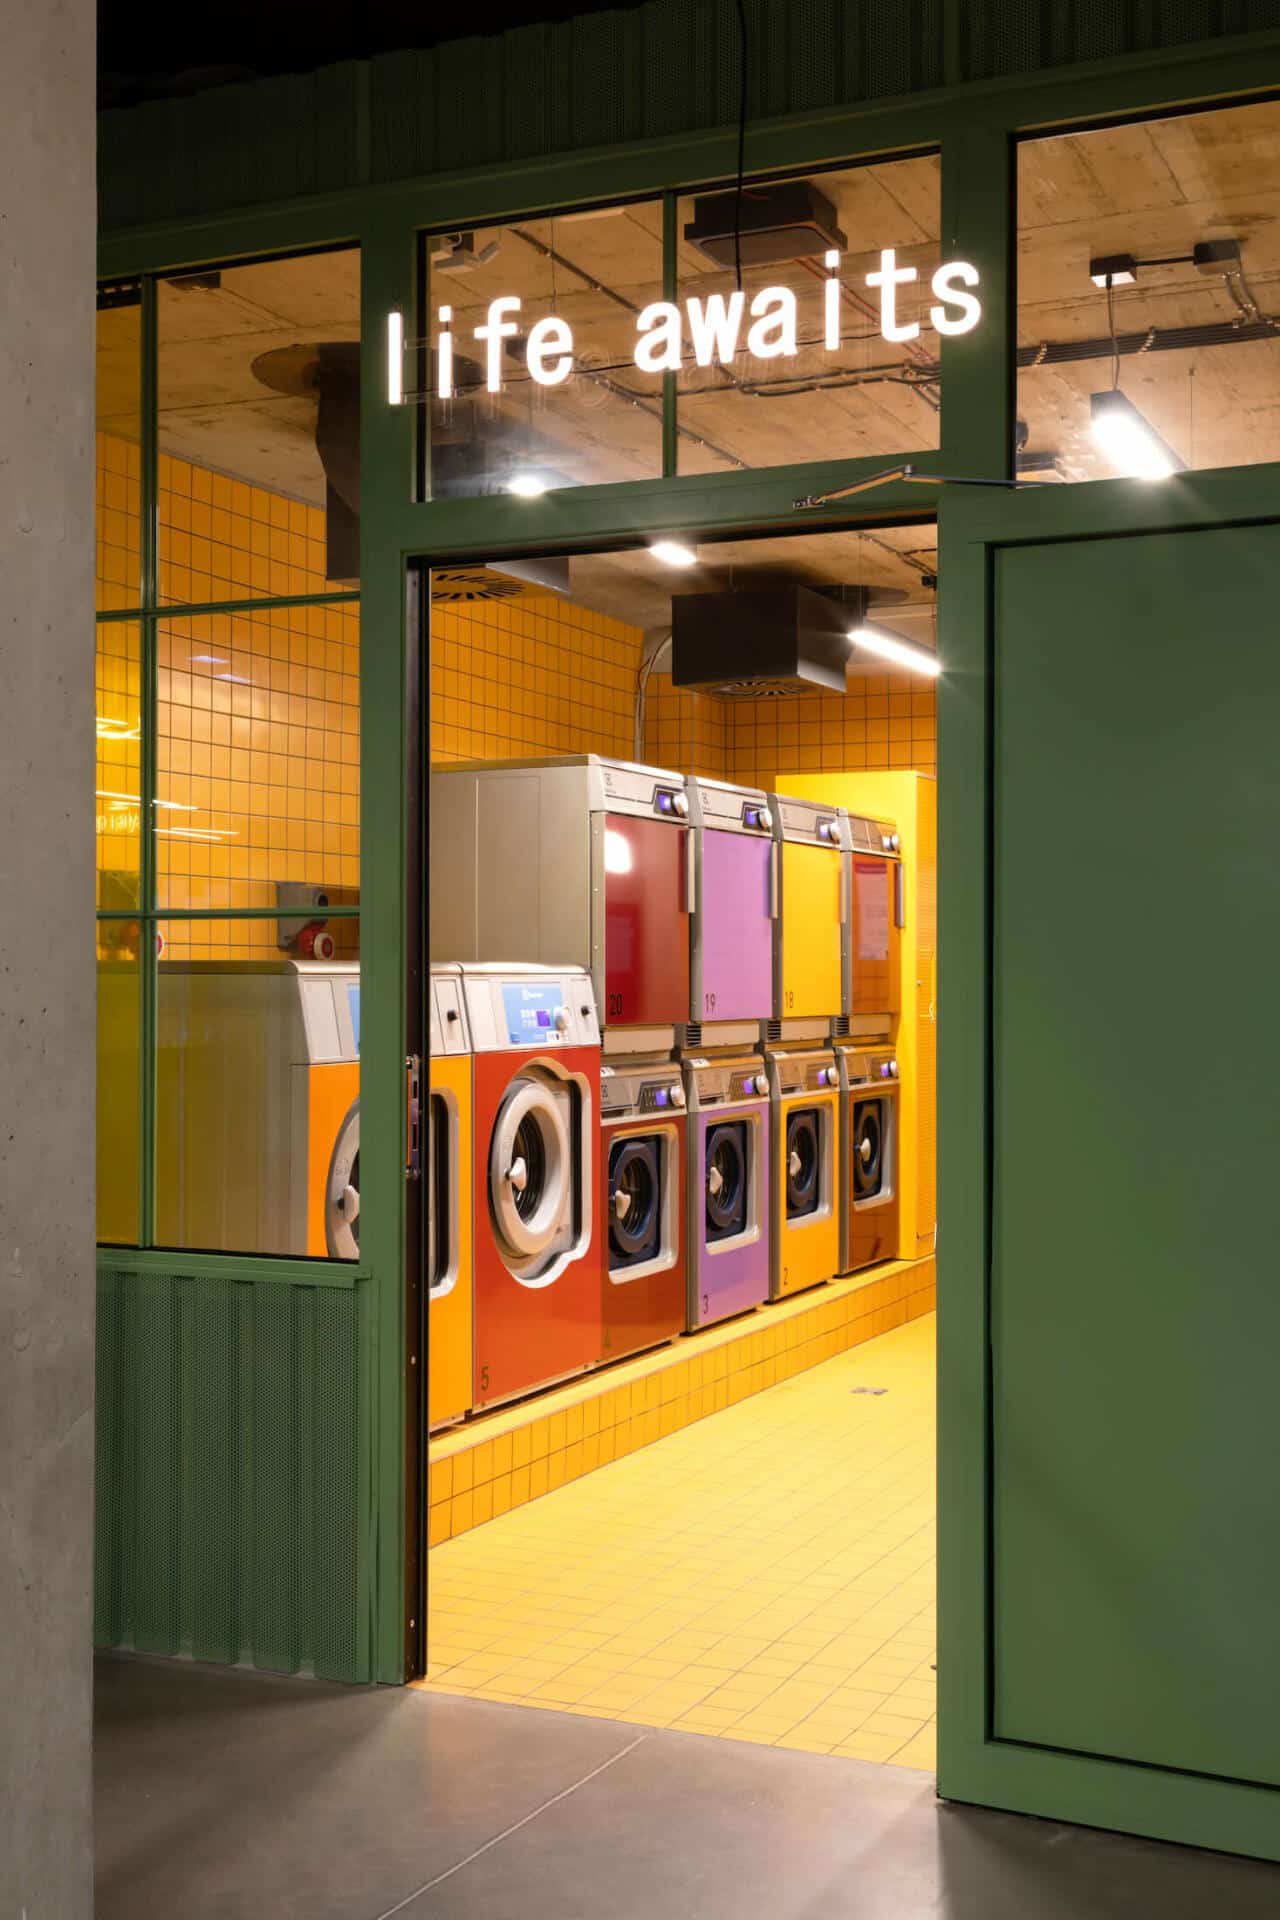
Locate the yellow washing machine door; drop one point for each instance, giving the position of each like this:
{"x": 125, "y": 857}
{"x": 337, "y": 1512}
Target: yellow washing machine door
{"x": 811, "y": 892}
{"x": 449, "y": 1273}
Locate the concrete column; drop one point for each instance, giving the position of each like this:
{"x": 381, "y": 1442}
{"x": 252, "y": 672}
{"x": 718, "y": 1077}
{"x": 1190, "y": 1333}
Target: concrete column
{"x": 47, "y": 223}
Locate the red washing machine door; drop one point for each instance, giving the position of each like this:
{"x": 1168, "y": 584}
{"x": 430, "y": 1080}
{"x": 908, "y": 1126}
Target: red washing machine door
{"x": 877, "y": 942}
{"x": 646, "y": 922}
{"x": 528, "y": 1334}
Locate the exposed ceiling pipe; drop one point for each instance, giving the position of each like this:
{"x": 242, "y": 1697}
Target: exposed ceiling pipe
{"x": 659, "y": 644}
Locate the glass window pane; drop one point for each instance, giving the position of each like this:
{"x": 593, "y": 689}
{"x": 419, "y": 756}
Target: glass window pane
{"x": 1183, "y": 216}
{"x": 257, "y": 1089}
{"x": 118, "y": 455}
{"x": 258, "y": 747}
{"x": 118, "y": 801}
{"x": 592, "y": 272}
{"x": 259, "y": 428}
{"x": 118, "y": 1081}
{"x": 863, "y": 394}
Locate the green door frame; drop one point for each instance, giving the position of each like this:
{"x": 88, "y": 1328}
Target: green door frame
{"x": 973, "y": 1765}
{"x": 974, "y": 127}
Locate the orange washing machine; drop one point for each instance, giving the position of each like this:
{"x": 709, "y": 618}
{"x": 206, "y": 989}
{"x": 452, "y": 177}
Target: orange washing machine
{"x": 805, "y": 1218}
{"x": 535, "y": 1042}
{"x": 450, "y": 1200}
{"x": 869, "y": 1154}
{"x": 258, "y": 1107}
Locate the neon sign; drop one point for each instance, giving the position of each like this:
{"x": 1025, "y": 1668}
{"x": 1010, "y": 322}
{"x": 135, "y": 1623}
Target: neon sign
{"x": 716, "y": 329}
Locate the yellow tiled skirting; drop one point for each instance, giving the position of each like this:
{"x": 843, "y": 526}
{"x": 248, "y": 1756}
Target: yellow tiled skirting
{"x": 501, "y": 1460}
{"x": 764, "y": 1576}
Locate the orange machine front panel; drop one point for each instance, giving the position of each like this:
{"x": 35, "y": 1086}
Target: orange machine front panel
{"x": 449, "y": 1344}
{"x": 528, "y": 1335}
{"x": 331, "y": 1090}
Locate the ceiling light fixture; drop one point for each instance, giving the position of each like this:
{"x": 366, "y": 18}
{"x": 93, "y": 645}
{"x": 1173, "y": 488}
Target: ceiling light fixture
{"x": 1129, "y": 441}
{"x": 903, "y": 653}
{"x": 673, "y": 553}
{"x": 395, "y": 359}
{"x": 526, "y": 486}
{"x": 1113, "y": 270}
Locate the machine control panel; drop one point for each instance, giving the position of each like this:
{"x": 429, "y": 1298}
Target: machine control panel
{"x": 809, "y": 822}
{"x": 448, "y": 1013}
{"x": 872, "y": 836}
{"x": 717, "y": 1083}
{"x": 654, "y": 791}
{"x": 529, "y": 1008}
{"x": 641, "y": 1088}
{"x": 730, "y": 809}
{"x": 807, "y": 1072}
{"x": 868, "y": 1069}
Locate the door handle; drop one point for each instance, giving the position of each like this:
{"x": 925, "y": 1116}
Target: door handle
{"x": 690, "y": 871}
{"x": 899, "y": 895}
{"x": 773, "y": 881}
{"x": 413, "y": 1117}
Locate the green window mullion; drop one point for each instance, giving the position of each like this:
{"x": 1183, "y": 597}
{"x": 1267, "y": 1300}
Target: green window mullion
{"x": 670, "y": 398}
{"x": 149, "y": 539}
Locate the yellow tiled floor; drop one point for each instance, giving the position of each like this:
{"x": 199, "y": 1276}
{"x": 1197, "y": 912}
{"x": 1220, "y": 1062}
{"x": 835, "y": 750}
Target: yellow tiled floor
{"x": 766, "y": 1574}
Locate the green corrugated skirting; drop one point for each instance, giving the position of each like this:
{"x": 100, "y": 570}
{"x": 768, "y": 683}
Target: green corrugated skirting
{"x": 226, "y": 1471}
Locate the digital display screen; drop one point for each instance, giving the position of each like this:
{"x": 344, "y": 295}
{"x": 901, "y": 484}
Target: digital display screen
{"x": 530, "y": 1010}
{"x": 660, "y": 1097}
{"x": 353, "y": 1006}
{"x": 664, "y": 802}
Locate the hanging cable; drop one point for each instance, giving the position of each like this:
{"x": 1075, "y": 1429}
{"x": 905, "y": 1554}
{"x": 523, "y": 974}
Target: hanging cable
{"x": 1115, "y": 344}
{"x": 742, "y": 142}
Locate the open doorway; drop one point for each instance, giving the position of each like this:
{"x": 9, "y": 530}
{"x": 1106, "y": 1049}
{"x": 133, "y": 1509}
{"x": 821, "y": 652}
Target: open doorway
{"x": 682, "y": 920}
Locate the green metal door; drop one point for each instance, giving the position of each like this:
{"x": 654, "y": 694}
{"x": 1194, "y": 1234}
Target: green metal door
{"x": 1110, "y": 1132}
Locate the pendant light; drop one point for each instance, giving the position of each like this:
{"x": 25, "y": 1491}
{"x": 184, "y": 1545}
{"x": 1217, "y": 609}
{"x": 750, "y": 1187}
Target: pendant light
{"x": 1121, "y": 430}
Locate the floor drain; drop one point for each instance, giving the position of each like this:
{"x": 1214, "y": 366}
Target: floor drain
{"x": 875, "y": 1390}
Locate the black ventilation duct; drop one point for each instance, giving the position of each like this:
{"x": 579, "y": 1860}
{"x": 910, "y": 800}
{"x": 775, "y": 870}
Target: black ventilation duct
{"x": 786, "y": 221}
{"x": 328, "y": 372}
{"x": 766, "y": 640}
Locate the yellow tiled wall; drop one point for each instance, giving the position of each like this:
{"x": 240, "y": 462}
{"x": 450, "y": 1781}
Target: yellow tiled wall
{"x": 537, "y": 675}
{"x": 528, "y": 676}
{"x": 258, "y": 714}
{"x": 118, "y": 472}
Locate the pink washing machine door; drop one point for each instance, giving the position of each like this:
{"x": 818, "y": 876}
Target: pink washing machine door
{"x": 735, "y": 931}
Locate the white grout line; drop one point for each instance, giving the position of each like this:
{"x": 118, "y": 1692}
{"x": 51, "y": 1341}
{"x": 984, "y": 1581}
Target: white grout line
{"x": 507, "y": 1832}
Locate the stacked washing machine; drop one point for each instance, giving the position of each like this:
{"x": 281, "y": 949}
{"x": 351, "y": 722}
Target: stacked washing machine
{"x": 735, "y": 907}
{"x": 589, "y": 863}
{"x": 810, "y": 999}
{"x": 866, "y": 1059}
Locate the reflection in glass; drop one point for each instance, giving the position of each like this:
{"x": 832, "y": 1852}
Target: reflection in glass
{"x": 258, "y": 740}
{"x": 595, "y": 271}
{"x": 259, "y": 427}
{"x": 1149, "y": 265}
{"x": 118, "y": 457}
{"x": 118, "y": 1081}
{"x": 854, "y": 394}
{"x": 118, "y": 797}
{"x": 258, "y": 1084}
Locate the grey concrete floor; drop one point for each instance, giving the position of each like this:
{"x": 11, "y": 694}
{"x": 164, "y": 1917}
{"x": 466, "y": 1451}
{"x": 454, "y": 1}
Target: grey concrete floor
{"x": 224, "y": 1795}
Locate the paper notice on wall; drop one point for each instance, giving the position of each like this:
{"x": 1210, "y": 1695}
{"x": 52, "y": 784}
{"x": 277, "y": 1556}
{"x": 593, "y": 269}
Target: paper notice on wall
{"x": 871, "y": 884}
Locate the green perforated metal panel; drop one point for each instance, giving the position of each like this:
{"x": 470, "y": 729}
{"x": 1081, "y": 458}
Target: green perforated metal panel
{"x": 226, "y": 1471}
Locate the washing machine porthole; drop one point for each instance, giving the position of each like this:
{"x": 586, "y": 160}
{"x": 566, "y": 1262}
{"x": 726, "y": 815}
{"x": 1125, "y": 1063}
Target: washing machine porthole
{"x": 342, "y": 1190}
{"x": 803, "y": 1149}
{"x": 725, "y": 1186}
